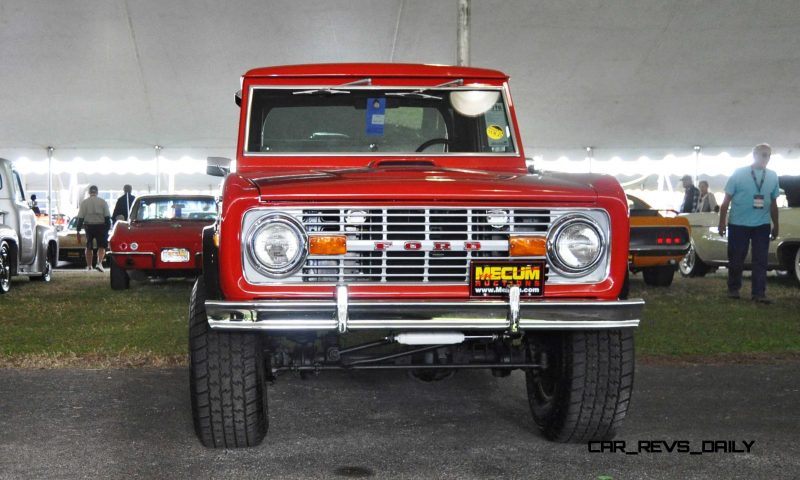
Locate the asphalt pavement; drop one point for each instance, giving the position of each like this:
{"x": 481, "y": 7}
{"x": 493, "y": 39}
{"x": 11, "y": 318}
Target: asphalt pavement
{"x": 137, "y": 424}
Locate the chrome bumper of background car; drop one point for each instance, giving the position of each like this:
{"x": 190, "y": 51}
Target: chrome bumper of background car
{"x": 659, "y": 250}
{"x": 343, "y": 314}
{"x": 197, "y": 255}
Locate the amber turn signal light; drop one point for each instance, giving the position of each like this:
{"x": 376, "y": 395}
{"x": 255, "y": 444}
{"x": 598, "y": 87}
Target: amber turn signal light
{"x": 327, "y": 245}
{"x": 527, "y": 246}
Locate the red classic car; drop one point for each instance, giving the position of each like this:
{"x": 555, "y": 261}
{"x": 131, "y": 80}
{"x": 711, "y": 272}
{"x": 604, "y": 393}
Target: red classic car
{"x": 394, "y": 200}
{"x": 162, "y": 239}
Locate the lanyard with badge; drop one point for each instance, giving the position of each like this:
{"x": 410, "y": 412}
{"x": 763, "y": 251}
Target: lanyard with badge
{"x": 758, "y": 199}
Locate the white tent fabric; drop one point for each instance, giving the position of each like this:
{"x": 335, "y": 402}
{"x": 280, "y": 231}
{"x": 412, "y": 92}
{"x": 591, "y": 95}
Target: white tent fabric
{"x": 618, "y": 74}
{"x": 641, "y": 81}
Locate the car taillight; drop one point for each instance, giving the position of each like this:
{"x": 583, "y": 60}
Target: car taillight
{"x": 669, "y": 240}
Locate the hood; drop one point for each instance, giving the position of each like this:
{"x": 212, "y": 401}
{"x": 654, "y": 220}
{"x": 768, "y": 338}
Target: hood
{"x": 169, "y": 231}
{"x": 412, "y": 182}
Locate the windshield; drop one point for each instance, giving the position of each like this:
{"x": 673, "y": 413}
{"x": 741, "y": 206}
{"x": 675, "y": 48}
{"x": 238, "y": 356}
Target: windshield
{"x": 174, "y": 209}
{"x": 348, "y": 120}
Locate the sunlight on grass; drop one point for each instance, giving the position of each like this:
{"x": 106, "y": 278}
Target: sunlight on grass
{"x": 79, "y": 313}
{"x": 695, "y": 317}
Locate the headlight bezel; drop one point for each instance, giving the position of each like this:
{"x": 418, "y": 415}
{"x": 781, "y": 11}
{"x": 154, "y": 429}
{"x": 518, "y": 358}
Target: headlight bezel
{"x": 555, "y": 259}
{"x": 294, "y": 226}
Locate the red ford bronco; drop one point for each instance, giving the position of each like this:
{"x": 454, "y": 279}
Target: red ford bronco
{"x": 381, "y": 216}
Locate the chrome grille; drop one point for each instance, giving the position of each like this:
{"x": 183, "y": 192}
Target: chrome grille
{"x": 398, "y": 224}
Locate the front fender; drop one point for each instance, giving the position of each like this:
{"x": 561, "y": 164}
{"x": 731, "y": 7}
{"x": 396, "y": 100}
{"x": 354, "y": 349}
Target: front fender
{"x": 708, "y": 244}
{"x": 211, "y": 263}
{"x": 45, "y": 235}
{"x": 9, "y": 234}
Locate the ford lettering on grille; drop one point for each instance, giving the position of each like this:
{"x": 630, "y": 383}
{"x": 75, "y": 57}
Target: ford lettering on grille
{"x": 355, "y": 246}
{"x": 414, "y": 245}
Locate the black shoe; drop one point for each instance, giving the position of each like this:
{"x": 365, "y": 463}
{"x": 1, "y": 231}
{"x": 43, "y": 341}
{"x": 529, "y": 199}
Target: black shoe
{"x": 763, "y": 300}
{"x": 734, "y": 294}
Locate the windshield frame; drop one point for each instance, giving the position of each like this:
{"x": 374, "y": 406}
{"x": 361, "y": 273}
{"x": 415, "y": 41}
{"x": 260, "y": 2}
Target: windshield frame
{"x": 415, "y": 88}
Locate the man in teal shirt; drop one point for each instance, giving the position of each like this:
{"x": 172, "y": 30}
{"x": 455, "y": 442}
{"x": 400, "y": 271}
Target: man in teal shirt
{"x": 751, "y": 194}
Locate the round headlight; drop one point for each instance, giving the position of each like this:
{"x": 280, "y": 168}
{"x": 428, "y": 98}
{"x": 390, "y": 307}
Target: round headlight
{"x": 277, "y": 244}
{"x": 575, "y": 246}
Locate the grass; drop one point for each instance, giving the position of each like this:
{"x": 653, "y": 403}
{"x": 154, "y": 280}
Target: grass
{"x": 694, "y": 317}
{"x": 77, "y": 320}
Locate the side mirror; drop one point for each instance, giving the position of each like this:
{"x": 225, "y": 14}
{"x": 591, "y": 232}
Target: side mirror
{"x": 218, "y": 166}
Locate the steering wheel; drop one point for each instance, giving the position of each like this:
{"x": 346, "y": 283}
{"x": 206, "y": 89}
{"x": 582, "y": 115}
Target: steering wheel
{"x": 431, "y": 142}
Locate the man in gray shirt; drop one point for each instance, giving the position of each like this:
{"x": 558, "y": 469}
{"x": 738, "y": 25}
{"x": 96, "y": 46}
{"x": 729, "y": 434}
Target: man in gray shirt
{"x": 94, "y": 213}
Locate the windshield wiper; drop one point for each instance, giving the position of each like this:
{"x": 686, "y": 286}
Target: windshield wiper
{"x": 420, "y": 92}
{"x": 334, "y": 91}
{"x": 329, "y": 91}
{"x": 415, "y": 93}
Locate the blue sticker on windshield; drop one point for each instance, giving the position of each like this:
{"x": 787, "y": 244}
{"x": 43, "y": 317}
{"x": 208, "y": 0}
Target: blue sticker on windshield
{"x": 376, "y": 116}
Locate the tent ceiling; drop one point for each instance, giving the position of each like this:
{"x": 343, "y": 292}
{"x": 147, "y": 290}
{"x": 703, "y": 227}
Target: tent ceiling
{"x": 614, "y": 74}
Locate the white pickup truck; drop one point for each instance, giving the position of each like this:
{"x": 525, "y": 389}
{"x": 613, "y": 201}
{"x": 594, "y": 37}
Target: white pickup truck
{"x": 26, "y": 248}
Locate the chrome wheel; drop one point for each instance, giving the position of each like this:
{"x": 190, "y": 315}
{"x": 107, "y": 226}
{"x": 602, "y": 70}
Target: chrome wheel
{"x": 686, "y": 265}
{"x": 797, "y": 265}
{"x": 46, "y": 271}
{"x": 5, "y": 268}
{"x": 542, "y": 382}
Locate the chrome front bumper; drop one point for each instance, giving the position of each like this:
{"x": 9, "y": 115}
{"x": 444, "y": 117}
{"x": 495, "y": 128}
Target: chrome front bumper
{"x": 343, "y": 314}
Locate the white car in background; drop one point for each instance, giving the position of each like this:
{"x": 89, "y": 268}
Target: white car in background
{"x": 709, "y": 250}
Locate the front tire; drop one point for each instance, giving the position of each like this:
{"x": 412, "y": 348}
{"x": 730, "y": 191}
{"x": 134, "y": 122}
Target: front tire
{"x": 5, "y": 268}
{"x": 119, "y": 277}
{"x": 658, "y": 276}
{"x": 47, "y": 271}
{"x": 46, "y": 274}
{"x": 228, "y": 392}
{"x": 583, "y": 392}
{"x": 626, "y": 286}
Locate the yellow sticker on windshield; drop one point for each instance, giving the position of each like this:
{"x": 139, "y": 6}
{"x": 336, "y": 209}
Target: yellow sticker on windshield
{"x": 495, "y": 132}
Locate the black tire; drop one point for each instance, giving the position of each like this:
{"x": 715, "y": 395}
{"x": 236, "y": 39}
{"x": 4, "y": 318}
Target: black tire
{"x": 796, "y": 264}
{"x": 625, "y": 291}
{"x": 229, "y": 394}
{"x": 430, "y": 375}
{"x": 119, "y": 277}
{"x": 658, "y": 276}
{"x": 5, "y": 268}
{"x": 583, "y": 393}
{"x": 691, "y": 265}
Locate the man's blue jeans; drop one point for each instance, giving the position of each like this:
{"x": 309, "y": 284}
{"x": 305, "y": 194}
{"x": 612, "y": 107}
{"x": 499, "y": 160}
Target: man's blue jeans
{"x": 740, "y": 239}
